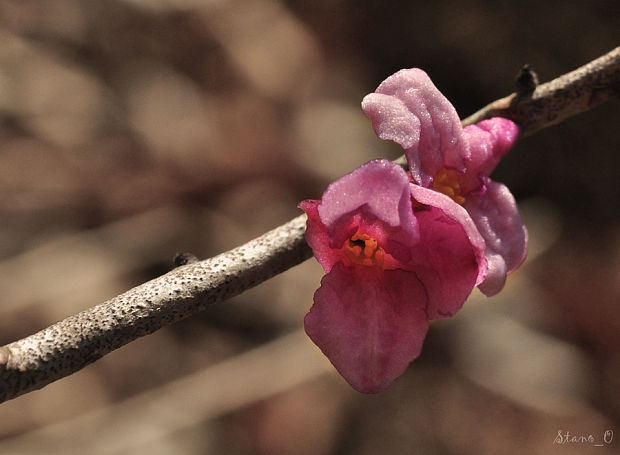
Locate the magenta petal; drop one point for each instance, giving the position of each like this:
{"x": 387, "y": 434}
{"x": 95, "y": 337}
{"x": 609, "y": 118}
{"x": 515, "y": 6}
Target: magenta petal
{"x": 488, "y": 141}
{"x": 370, "y": 324}
{"x": 498, "y": 219}
{"x": 381, "y": 189}
{"x": 449, "y": 259}
{"x": 409, "y": 110}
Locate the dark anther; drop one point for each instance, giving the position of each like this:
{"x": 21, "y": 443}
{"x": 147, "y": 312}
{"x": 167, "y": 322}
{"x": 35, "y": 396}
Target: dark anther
{"x": 526, "y": 81}
{"x": 184, "y": 259}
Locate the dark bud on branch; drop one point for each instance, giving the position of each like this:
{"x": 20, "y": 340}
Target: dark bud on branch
{"x": 184, "y": 259}
{"x": 526, "y": 81}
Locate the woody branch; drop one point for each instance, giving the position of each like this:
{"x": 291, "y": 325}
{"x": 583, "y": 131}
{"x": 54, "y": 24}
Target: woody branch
{"x": 79, "y": 340}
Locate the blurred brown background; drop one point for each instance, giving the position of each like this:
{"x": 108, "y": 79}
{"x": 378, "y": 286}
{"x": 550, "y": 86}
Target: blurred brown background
{"x": 132, "y": 129}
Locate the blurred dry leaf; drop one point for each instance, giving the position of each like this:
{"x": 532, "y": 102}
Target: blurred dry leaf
{"x": 267, "y": 44}
{"x": 62, "y": 102}
{"x": 170, "y": 112}
{"x": 188, "y": 401}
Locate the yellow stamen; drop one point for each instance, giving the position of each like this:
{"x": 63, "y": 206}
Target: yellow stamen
{"x": 447, "y": 182}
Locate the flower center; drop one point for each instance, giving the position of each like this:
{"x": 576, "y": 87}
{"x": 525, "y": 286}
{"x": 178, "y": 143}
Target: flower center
{"x": 447, "y": 182}
{"x": 364, "y": 250}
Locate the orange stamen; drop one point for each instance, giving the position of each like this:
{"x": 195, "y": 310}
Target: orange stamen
{"x": 364, "y": 250}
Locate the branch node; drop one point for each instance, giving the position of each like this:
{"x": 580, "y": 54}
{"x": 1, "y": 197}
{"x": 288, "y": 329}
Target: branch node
{"x": 526, "y": 81}
{"x": 184, "y": 259}
{"x": 4, "y": 356}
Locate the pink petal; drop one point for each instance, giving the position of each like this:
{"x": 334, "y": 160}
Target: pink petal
{"x": 409, "y": 110}
{"x": 380, "y": 190}
{"x": 449, "y": 259}
{"x": 498, "y": 219}
{"x": 317, "y": 237}
{"x": 392, "y": 120}
{"x": 370, "y": 324}
{"x": 488, "y": 141}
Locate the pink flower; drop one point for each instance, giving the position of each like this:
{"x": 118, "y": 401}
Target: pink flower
{"x": 396, "y": 255}
{"x": 400, "y": 250}
{"x": 409, "y": 110}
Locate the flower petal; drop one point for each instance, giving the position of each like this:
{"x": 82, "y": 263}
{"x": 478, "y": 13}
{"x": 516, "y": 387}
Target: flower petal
{"x": 392, "y": 120}
{"x": 488, "y": 141}
{"x": 317, "y": 237}
{"x": 409, "y": 110}
{"x": 498, "y": 220}
{"x": 449, "y": 259}
{"x": 369, "y": 324}
{"x": 380, "y": 189}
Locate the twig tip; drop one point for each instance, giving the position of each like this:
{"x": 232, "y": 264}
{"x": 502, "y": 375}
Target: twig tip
{"x": 4, "y": 356}
{"x": 526, "y": 81}
{"x": 184, "y": 259}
